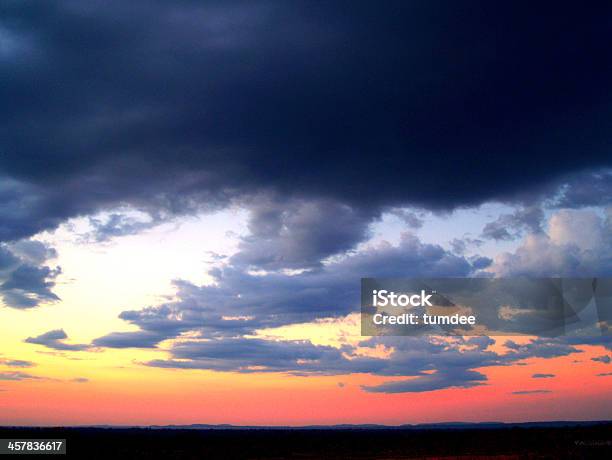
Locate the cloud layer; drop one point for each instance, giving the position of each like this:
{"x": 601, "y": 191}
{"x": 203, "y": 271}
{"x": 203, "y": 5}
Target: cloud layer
{"x": 317, "y": 119}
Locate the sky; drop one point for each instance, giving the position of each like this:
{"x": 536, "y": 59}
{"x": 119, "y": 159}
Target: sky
{"x": 190, "y": 193}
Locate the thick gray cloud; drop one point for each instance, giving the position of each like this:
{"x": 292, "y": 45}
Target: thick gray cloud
{"x": 55, "y": 339}
{"x": 219, "y": 318}
{"x": 304, "y": 358}
{"x": 431, "y": 363}
{"x": 480, "y": 263}
{"x": 27, "y": 286}
{"x": 603, "y": 340}
{"x": 411, "y": 219}
{"x": 461, "y": 245}
{"x": 25, "y": 282}
{"x": 257, "y": 355}
{"x": 511, "y": 226}
{"x": 299, "y": 234}
{"x": 576, "y": 243}
{"x": 240, "y": 302}
{"x": 139, "y": 339}
{"x": 119, "y": 224}
{"x": 33, "y": 252}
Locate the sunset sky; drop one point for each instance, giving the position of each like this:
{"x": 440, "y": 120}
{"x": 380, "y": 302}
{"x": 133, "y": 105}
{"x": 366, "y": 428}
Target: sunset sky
{"x": 190, "y": 193}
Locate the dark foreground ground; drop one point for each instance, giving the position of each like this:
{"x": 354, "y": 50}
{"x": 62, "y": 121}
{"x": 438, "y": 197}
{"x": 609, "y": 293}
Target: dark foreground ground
{"x": 500, "y": 443}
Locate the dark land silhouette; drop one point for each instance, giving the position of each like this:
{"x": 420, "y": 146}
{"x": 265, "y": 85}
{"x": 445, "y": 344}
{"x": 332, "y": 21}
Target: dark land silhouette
{"x": 447, "y": 441}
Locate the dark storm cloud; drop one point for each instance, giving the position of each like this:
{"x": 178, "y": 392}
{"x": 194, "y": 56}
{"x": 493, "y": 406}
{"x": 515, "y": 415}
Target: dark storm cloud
{"x": 55, "y": 339}
{"x": 174, "y": 106}
{"x": 580, "y": 191}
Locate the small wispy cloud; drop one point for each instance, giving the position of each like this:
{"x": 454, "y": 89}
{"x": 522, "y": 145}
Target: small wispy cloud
{"x": 17, "y": 376}
{"x": 16, "y": 363}
{"x": 530, "y": 392}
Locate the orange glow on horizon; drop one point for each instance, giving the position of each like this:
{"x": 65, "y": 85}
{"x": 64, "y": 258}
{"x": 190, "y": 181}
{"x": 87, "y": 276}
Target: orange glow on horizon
{"x": 149, "y": 396}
